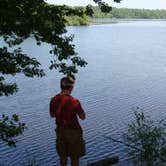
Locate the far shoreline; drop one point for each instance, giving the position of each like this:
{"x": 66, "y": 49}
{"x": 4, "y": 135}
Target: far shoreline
{"x": 98, "y": 21}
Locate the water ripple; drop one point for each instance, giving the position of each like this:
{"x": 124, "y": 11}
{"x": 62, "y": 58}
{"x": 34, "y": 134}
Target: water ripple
{"x": 120, "y": 77}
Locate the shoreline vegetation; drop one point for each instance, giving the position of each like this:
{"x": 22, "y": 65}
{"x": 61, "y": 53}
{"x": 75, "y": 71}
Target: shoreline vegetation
{"x": 97, "y": 21}
{"x": 116, "y": 15}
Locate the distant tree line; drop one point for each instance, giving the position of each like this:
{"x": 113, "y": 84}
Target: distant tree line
{"x": 121, "y": 13}
{"x": 130, "y": 13}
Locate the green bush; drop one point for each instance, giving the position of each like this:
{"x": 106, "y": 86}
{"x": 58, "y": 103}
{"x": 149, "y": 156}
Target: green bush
{"x": 147, "y": 140}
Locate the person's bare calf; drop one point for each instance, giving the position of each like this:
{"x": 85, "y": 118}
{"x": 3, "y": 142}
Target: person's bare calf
{"x": 63, "y": 161}
{"x": 74, "y": 161}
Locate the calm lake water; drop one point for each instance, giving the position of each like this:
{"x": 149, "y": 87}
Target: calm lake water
{"x": 126, "y": 69}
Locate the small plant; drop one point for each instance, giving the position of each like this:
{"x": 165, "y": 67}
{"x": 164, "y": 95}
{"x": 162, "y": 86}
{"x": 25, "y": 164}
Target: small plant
{"x": 147, "y": 140}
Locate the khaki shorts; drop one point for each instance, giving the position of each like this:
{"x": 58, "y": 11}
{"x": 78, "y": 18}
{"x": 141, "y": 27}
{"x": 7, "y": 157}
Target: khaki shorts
{"x": 69, "y": 142}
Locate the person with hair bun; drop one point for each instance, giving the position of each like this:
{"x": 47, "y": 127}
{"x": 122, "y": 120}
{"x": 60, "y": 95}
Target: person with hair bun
{"x": 69, "y": 134}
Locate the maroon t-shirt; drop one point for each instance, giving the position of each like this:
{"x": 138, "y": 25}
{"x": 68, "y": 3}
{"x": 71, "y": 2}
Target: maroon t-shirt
{"x": 65, "y": 109}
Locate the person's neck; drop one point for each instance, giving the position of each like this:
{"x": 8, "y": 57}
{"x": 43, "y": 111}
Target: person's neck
{"x": 65, "y": 92}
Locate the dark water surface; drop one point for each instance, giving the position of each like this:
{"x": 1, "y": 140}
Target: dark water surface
{"x": 127, "y": 68}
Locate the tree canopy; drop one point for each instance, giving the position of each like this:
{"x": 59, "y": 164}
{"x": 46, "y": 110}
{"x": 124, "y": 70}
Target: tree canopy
{"x": 21, "y": 19}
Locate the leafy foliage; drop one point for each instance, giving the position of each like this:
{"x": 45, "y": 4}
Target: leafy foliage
{"x": 16, "y": 62}
{"x": 10, "y": 128}
{"x": 21, "y": 19}
{"x": 105, "y": 8}
{"x": 76, "y": 20}
{"x": 148, "y": 139}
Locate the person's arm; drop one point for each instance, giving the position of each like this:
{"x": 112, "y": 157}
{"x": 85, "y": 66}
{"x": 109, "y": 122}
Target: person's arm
{"x": 80, "y": 112}
{"x": 82, "y": 115}
{"x": 52, "y": 108}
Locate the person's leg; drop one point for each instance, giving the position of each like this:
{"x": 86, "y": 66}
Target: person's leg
{"x": 74, "y": 161}
{"x": 63, "y": 161}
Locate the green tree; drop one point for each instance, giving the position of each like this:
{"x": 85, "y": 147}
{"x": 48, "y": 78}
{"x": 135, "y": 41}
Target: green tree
{"x": 21, "y": 19}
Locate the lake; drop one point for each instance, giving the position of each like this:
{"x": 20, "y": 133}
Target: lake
{"x": 126, "y": 69}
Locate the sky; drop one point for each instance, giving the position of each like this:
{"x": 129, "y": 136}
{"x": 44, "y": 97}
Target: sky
{"x": 141, "y": 4}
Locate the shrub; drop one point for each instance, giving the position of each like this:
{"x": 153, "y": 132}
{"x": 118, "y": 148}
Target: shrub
{"x": 147, "y": 139}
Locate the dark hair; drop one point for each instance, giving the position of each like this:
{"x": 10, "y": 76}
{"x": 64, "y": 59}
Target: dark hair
{"x": 67, "y": 82}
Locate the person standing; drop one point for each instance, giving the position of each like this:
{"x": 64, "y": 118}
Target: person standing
{"x": 69, "y": 134}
